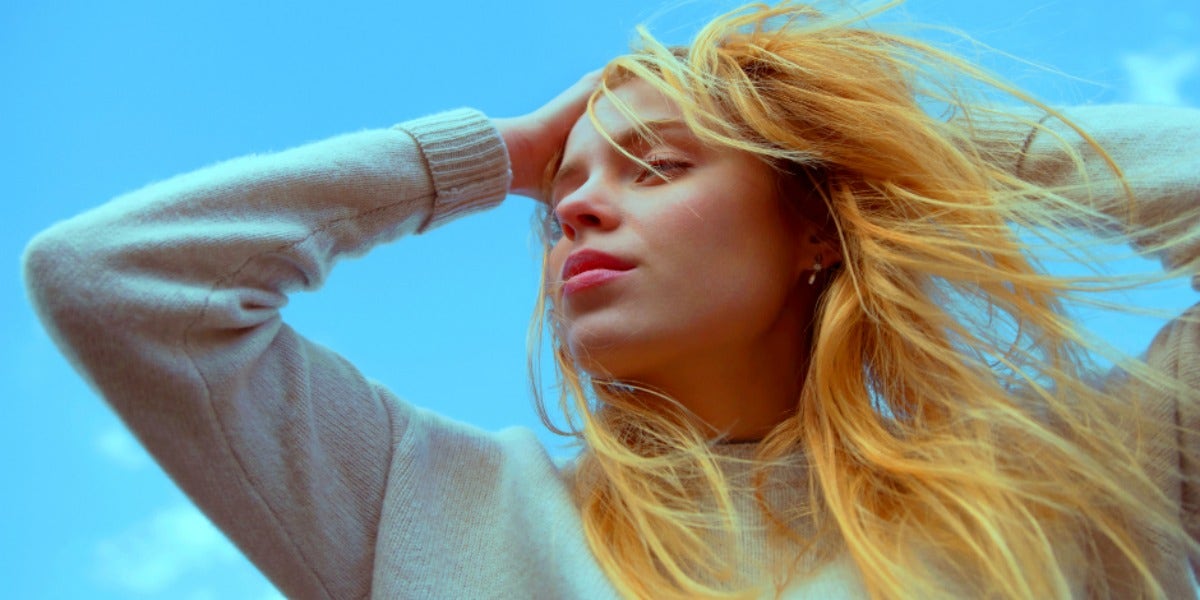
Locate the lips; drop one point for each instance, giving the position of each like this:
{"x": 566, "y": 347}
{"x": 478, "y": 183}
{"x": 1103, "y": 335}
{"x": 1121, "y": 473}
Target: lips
{"x": 582, "y": 261}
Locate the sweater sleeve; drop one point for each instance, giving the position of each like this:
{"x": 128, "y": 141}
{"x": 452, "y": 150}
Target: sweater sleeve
{"x": 1158, "y": 150}
{"x": 167, "y": 301}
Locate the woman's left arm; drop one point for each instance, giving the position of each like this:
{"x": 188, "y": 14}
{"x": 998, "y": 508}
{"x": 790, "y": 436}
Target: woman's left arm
{"x": 1158, "y": 151}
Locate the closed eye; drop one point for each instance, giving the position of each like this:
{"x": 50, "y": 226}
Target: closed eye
{"x": 667, "y": 167}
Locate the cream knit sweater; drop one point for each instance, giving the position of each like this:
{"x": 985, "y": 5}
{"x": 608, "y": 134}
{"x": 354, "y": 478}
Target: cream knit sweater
{"x": 167, "y": 300}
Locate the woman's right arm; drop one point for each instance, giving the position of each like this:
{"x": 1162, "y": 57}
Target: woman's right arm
{"x": 167, "y": 301}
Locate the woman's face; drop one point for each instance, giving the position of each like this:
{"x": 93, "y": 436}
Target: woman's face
{"x": 661, "y": 271}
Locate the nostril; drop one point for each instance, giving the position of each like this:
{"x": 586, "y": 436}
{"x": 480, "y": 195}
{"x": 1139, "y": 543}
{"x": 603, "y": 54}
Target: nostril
{"x": 592, "y": 220}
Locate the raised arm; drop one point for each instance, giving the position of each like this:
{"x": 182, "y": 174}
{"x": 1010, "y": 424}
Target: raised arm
{"x": 167, "y": 300}
{"x": 1158, "y": 150}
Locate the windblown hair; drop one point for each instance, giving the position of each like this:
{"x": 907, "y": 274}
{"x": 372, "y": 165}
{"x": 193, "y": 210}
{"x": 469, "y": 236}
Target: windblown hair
{"x": 956, "y": 439}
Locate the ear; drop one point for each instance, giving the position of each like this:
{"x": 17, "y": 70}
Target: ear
{"x": 807, "y": 215}
{"x": 818, "y": 252}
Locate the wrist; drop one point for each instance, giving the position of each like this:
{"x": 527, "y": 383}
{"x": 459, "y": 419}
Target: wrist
{"x": 516, "y": 141}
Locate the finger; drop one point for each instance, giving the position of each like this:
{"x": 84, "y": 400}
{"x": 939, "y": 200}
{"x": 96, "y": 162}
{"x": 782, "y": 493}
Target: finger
{"x": 573, "y": 99}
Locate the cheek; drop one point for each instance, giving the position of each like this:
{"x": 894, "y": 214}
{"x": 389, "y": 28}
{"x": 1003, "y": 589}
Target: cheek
{"x": 736, "y": 252}
{"x": 738, "y": 232}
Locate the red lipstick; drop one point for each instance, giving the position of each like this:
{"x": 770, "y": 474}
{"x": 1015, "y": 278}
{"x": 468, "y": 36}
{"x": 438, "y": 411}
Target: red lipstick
{"x": 589, "y": 268}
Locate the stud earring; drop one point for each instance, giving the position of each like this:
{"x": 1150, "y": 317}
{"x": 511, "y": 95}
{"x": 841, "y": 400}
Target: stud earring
{"x": 815, "y": 270}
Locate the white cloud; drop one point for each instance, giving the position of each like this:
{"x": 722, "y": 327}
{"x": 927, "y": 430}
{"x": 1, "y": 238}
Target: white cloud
{"x": 157, "y": 552}
{"x": 1157, "y": 78}
{"x": 119, "y": 446}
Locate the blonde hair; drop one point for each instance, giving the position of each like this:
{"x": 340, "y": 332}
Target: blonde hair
{"x": 955, "y": 439}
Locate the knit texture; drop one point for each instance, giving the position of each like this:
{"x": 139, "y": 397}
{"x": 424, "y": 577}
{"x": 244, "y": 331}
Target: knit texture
{"x": 167, "y": 301}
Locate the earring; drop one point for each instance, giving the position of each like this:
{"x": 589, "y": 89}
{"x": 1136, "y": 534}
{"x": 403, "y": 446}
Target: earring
{"x": 816, "y": 269}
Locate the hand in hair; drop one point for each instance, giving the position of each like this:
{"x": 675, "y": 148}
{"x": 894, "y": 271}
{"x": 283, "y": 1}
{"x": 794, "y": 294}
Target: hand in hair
{"x": 534, "y": 139}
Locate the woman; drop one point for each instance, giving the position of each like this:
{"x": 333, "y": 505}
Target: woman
{"x": 808, "y": 353}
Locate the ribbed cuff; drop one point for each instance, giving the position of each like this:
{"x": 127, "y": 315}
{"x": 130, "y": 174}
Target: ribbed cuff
{"x": 467, "y": 160}
{"x": 1006, "y": 138}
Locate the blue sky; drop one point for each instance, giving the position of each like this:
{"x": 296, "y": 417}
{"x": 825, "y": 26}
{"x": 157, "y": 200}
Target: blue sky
{"x": 103, "y": 98}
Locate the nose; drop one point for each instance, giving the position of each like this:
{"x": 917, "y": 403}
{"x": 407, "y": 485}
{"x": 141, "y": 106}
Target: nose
{"x": 589, "y": 207}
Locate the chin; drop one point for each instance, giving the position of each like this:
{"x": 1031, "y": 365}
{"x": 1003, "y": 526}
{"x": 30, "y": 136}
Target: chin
{"x": 603, "y": 358}
{"x": 603, "y": 362}
{"x": 614, "y": 348}
{"x": 622, "y": 359}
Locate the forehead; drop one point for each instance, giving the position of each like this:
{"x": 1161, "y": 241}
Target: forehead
{"x": 646, "y": 102}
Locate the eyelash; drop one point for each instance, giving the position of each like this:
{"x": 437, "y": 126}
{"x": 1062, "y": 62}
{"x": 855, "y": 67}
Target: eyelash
{"x": 663, "y": 165}
{"x": 552, "y": 229}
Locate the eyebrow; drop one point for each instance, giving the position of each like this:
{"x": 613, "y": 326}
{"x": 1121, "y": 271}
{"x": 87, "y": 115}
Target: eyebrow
{"x": 624, "y": 139}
